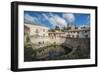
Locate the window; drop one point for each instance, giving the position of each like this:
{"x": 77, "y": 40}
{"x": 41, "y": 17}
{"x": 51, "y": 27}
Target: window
{"x": 85, "y": 31}
{"x": 37, "y": 31}
{"x": 72, "y": 36}
{"x": 77, "y": 32}
{"x": 68, "y": 35}
{"x": 43, "y": 30}
{"x": 77, "y": 36}
{"x": 86, "y": 36}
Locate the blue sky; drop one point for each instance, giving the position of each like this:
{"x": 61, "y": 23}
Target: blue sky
{"x": 52, "y": 19}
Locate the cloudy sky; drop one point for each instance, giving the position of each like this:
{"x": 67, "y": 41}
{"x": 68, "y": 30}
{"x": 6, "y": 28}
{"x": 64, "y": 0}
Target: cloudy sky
{"x": 52, "y": 19}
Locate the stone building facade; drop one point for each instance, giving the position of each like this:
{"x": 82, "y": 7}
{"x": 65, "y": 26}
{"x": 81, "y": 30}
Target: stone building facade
{"x": 40, "y": 34}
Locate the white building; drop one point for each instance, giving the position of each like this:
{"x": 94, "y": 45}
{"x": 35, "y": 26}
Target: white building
{"x": 78, "y": 33}
{"x": 74, "y": 32}
{"x": 41, "y": 35}
{"x": 38, "y": 34}
{"x": 36, "y": 30}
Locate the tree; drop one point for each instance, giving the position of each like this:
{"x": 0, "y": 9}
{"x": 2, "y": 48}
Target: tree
{"x": 76, "y": 27}
{"x": 68, "y": 28}
{"x": 57, "y": 28}
{"x": 51, "y": 30}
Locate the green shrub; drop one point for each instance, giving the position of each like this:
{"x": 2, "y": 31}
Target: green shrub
{"x": 29, "y": 54}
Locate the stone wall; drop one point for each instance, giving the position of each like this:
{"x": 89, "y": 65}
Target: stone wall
{"x": 83, "y": 43}
{"x": 68, "y": 42}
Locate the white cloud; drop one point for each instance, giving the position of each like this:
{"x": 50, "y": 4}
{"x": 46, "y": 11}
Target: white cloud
{"x": 45, "y": 16}
{"x": 60, "y": 21}
{"x": 51, "y": 14}
{"x": 69, "y": 17}
{"x": 50, "y": 19}
{"x": 88, "y": 19}
{"x": 55, "y": 20}
{"x": 30, "y": 19}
